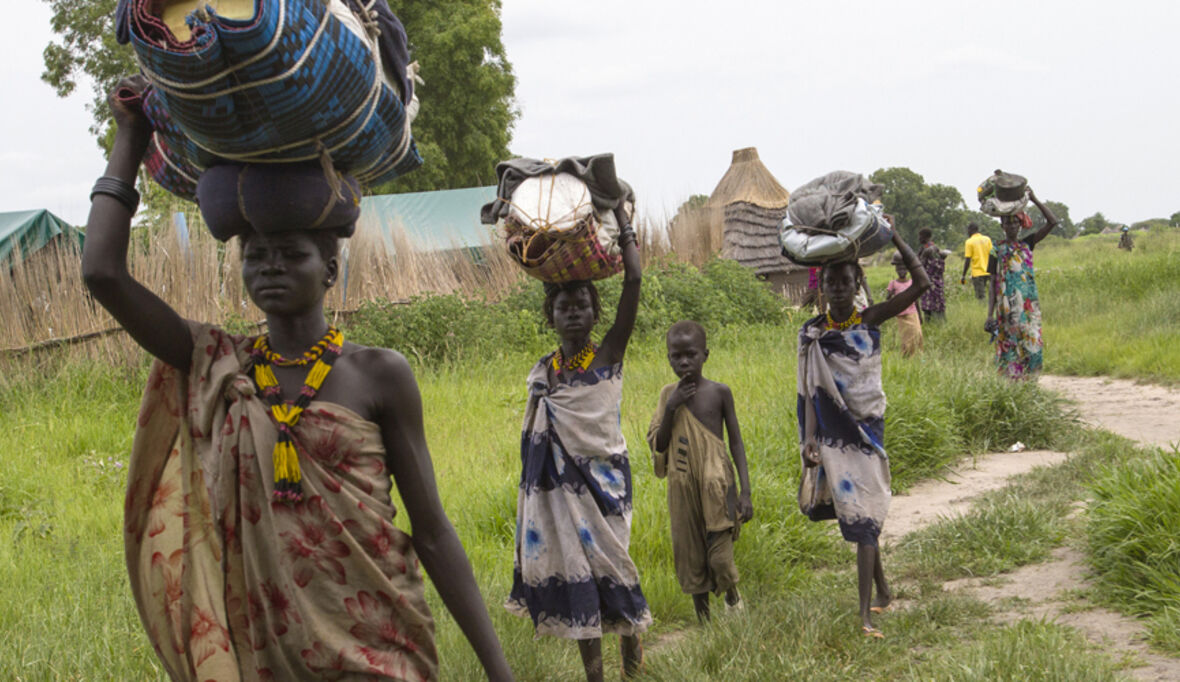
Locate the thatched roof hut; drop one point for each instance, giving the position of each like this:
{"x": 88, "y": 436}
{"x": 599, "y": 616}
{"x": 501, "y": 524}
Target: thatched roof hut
{"x": 748, "y": 181}
{"x": 748, "y": 205}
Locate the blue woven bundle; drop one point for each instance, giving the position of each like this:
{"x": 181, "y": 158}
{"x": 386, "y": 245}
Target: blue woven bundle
{"x": 291, "y": 84}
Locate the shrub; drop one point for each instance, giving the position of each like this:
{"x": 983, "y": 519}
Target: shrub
{"x": 445, "y": 327}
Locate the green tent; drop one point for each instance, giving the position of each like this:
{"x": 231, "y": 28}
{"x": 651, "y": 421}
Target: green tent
{"x": 433, "y": 221}
{"x": 25, "y": 232}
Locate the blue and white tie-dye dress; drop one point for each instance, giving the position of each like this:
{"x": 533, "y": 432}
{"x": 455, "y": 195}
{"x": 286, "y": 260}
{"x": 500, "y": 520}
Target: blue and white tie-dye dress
{"x": 573, "y": 575}
{"x": 840, "y": 373}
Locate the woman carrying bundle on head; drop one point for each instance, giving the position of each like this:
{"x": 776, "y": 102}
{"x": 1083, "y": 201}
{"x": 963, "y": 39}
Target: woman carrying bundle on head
{"x": 573, "y": 574}
{"x": 258, "y": 529}
{"x": 1013, "y": 306}
{"x": 841, "y": 412}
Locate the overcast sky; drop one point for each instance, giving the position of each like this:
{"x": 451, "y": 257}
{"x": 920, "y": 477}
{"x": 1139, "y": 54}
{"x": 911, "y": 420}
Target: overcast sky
{"x": 1079, "y": 96}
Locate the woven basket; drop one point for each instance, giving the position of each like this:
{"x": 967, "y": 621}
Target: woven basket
{"x": 557, "y": 257}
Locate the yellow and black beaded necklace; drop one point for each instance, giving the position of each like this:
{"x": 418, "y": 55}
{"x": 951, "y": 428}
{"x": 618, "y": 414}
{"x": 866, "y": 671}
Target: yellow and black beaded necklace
{"x": 580, "y": 360}
{"x": 286, "y": 415}
{"x": 853, "y": 319}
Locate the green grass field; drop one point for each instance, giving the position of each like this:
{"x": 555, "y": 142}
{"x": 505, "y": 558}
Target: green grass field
{"x": 66, "y": 612}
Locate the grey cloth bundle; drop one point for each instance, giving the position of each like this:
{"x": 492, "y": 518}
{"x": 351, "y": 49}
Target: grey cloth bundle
{"x": 828, "y": 202}
{"x": 833, "y": 218}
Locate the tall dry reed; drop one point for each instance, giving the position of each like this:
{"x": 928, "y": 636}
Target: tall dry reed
{"x": 45, "y": 310}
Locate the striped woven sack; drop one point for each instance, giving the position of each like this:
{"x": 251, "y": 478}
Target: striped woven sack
{"x": 557, "y": 257}
{"x": 299, "y": 80}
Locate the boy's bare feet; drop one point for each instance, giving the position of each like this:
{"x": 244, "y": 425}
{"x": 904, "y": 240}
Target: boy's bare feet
{"x": 700, "y": 603}
{"x": 733, "y": 599}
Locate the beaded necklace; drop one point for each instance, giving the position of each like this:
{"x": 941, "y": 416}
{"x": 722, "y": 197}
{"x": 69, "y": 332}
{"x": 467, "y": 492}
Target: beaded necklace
{"x": 286, "y": 459}
{"x": 580, "y": 361}
{"x": 853, "y": 319}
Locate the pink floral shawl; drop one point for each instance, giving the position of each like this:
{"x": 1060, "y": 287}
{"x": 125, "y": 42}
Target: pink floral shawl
{"x": 233, "y": 586}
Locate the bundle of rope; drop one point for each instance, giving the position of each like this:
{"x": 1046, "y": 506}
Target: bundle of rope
{"x": 298, "y": 81}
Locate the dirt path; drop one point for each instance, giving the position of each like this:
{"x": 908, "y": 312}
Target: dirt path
{"x": 932, "y": 499}
{"x": 1145, "y": 413}
{"x": 1142, "y": 412}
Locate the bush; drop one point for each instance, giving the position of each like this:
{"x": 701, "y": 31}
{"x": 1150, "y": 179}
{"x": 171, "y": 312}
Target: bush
{"x": 446, "y": 327}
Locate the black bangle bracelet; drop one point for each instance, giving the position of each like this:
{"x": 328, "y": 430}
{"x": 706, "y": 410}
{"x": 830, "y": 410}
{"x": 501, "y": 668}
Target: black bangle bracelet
{"x": 117, "y": 189}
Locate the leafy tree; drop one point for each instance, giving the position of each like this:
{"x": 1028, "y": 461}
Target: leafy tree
{"x": 1094, "y": 224}
{"x": 467, "y": 110}
{"x": 1065, "y": 227}
{"x": 86, "y": 47}
{"x": 915, "y": 204}
{"x": 1174, "y": 221}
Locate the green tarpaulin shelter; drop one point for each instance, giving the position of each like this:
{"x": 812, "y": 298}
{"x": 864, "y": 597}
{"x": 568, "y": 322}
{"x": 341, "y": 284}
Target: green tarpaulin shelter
{"x": 24, "y": 232}
{"x": 433, "y": 221}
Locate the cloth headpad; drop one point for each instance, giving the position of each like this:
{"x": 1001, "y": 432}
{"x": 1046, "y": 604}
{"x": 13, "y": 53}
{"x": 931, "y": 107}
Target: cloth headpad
{"x": 237, "y": 199}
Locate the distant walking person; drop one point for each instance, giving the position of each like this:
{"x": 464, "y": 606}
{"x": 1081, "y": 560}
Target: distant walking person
{"x": 975, "y": 254}
{"x": 1125, "y": 241}
{"x": 1014, "y": 310}
{"x": 933, "y": 302}
{"x": 909, "y": 324}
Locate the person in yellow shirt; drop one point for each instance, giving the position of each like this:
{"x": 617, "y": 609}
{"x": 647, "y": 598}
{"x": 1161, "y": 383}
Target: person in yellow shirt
{"x": 976, "y": 250}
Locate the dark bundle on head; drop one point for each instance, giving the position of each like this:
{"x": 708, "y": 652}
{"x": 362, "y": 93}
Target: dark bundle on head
{"x": 925, "y": 235}
{"x": 241, "y": 198}
{"x": 552, "y": 290}
{"x": 688, "y": 328}
{"x": 896, "y": 259}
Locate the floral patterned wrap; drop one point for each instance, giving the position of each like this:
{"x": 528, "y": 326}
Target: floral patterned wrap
{"x": 573, "y": 575}
{"x": 840, "y": 374}
{"x": 1018, "y": 311}
{"x": 231, "y": 585}
{"x": 934, "y": 299}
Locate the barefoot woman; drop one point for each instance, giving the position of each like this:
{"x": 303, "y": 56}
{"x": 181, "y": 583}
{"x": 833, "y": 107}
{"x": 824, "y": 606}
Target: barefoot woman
{"x": 841, "y": 410}
{"x": 258, "y": 525}
{"x": 573, "y": 574}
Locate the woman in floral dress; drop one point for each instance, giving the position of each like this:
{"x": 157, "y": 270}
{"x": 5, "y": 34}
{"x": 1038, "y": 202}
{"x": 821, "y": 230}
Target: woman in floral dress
{"x": 933, "y": 302}
{"x": 1014, "y": 309}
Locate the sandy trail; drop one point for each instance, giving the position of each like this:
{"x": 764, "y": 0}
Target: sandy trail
{"x": 1048, "y": 591}
{"x": 933, "y": 499}
{"x": 1145, "y": 413}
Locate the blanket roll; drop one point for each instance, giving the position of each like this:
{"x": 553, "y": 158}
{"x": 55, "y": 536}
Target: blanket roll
{"x": 298, "y": 81}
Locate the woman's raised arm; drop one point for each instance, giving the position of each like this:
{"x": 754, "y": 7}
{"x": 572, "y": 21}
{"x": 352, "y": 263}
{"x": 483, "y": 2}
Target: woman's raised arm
{"x": 614, "y": 344}
{"x": 151, "y": 322}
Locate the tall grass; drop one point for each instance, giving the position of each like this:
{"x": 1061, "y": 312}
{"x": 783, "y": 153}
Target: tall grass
{"x": 1133, "y": 537}
{"x": 60, "y": 492}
